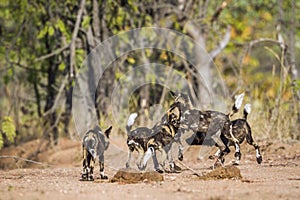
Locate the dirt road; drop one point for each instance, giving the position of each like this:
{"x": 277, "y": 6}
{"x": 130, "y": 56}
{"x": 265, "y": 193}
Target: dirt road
{"x": 278, "y": 177}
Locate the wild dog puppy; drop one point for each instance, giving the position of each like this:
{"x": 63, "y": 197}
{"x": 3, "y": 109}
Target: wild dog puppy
{"x": 137, "y": 140}
{"x": 212, "y": 124}
{"x": 147, "y": 141}
{"x": 94, "y": 144}
{"x": 241, "y": 129}
{"x": 173, "y": 116}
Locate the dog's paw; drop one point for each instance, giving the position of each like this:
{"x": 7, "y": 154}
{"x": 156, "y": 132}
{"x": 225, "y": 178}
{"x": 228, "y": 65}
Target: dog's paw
{"x": 159, "y": 171}
{"x": 84, "y": 177}
{"x": 103, "y": 177}
{"x": 180, "y": 157}
{"x": 90, "y": 178}
{"x": 177, "y": 168}
{"x": 259, "y": 159}
{"x": 163, "y": 164}
{"x": 127, "y": 165}
{"x": 218, "y": 163}
{"x": 235, "y": 163}
{"x": 141, "y": 167}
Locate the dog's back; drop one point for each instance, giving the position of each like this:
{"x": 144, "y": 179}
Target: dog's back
{"x": 95, "y": 140}
{"x": 138, "y": 138}
{"x": 240, "y": 129}
{"x": 164, "y": 134}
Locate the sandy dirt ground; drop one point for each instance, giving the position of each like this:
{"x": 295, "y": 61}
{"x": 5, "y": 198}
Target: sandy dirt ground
{"x": 57, "y": 174}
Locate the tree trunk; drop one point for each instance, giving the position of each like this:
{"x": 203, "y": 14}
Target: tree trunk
{"x": 52, "y": 133}
{"x": 203, "y": 66}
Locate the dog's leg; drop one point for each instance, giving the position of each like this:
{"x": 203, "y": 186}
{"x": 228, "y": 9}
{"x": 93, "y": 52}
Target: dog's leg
{"x": 217, "y": 139}
{"x": 149, "y": 153}
{"x": 251, "y": 142}
{"x": 220, "y": 159}
{"x": 237, "y": 154}
{"x": 180, "y": 146}
{"x": 258, "y": 155}
{"x": 180, "y": 151}
{"x": 140, "y": 158}
{"x": 168, "y": 150}
{"x": 163, "y": 157}
{"x": 216, "y": 155}
{"x": 128, "y": 159}
{"x": 224, "y": 150}
{"x": 101, "y": 166}
{"x": 257, "y": 151}
{"x": 84, "y": 174}
{"x": 213, "y": 133}
{"x": 90, "y": 167}
{"x": 155, "y": 163}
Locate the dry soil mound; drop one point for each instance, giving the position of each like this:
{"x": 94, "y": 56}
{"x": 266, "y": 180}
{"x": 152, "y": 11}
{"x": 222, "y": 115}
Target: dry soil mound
{"x": 133, "y": 176}
{"x": 231, "y": 172}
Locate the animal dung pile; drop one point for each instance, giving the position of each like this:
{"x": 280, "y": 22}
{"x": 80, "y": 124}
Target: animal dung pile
{"x": 231, "y": 172}
{"x": 133, "y": 176}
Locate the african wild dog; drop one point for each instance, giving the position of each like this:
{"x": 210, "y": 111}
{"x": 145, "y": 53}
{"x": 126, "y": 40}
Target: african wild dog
{"x": 212, "y": 124}
{"x": 94, "y": 144}
{"x": 146, "y": 141}
{"x": 181, "y": 104}
{"x": 241, "y": 129}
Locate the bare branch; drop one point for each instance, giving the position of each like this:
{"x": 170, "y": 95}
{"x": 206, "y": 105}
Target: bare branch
{"x": 218, "y": 12}
{"x": 223, "y": 43}
{"x": 27, "y": 160}
{"x": 260, "y": 40}
{"x": 22, "y": 66}
{"x": 74, "y": 36}
{"x": 96, "y": 22}
{"x": 57, "y": 51}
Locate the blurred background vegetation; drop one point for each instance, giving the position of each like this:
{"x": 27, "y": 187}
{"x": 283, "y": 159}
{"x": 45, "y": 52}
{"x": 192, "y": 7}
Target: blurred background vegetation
{"x": 43, "y": 43}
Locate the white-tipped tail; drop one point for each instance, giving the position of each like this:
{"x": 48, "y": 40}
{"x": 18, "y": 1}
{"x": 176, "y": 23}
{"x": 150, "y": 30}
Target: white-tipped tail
{"x": 131, "y": 119}
{"x": 247, "y": 108}
{"x": 239, "y": 100}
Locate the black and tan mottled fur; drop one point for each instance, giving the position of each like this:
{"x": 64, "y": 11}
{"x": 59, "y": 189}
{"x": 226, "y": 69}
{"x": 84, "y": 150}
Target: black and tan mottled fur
{"x": 143, "y": 139}
{"x": 241, "y": 130}
{"x": 94, "y": 144}
{"x": 211, "y": 124}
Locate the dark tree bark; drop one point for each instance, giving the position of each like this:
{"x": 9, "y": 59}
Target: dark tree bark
{"x": 52, "y": 133}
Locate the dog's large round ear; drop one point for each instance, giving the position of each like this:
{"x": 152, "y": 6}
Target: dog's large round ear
{"x": 97, "y": 129}
{"x": 107, "y": 131}
{"x": 84, "y": 139}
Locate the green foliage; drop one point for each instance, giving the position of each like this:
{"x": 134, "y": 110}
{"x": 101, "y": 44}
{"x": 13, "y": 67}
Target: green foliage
{"x": 1, "y": 141}
{"x": 8, "y": 129}
{"x": 86, "y": 22}
{"x": 296, "y": 85}
{"x": 80, "y": 55}
{"x": 8, "y": 76}
{"x": 32, "y": 29}
{"x": 61, "y": 66}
